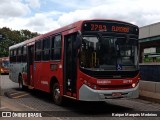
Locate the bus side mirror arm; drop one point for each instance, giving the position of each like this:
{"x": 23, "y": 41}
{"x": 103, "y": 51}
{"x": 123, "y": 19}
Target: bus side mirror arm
{"x": 78, "y": 41}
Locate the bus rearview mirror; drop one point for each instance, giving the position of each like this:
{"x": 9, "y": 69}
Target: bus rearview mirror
{"x": 78, "y": 41}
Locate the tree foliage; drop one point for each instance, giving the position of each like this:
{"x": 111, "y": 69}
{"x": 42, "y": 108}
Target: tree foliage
{"x": 12, "y": 37}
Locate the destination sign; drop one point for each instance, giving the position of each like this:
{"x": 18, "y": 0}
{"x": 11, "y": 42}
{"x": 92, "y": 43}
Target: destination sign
{"x": 118, "y": 27}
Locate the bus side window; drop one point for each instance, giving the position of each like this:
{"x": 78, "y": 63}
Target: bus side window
{"x": 56, "y": 47}
{"x": 19, "y": 54}
{"x": 38, "y": 50}
{"x": 24, "y": 53}
{"x": 14, "y": 55}
{"x": 11, "y": 56}
{"x": 46, "y": 49}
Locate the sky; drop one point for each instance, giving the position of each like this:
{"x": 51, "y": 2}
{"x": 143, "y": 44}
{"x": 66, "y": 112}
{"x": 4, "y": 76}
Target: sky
{"x": 46, "y": 15}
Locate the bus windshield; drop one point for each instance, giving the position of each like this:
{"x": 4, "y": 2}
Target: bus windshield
{"x": 109, "y": 53}
{"x": 5, "y": 64}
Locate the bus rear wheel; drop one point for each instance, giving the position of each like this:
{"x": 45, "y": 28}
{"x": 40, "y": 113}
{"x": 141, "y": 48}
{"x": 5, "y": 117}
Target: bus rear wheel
{"x": 57, "y": 98}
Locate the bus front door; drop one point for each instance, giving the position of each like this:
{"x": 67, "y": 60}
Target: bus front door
{"x": 30, "y": 65}
{"x": 70, "y": 69}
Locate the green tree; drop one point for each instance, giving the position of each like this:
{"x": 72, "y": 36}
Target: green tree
{"x": 12, "y": 37}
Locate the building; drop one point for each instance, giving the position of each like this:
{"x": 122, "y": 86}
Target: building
{"x": 149, "y": 39}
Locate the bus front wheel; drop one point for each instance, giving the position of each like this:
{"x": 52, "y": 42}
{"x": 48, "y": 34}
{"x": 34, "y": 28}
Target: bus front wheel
{"x": 57, "y": 98}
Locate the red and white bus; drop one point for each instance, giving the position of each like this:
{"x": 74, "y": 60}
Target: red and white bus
{"x": 89, "y": 60}
{"x": 4, "y": 65}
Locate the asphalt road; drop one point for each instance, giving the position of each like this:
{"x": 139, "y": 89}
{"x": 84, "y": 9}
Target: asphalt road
{"x": 14, "y": 99}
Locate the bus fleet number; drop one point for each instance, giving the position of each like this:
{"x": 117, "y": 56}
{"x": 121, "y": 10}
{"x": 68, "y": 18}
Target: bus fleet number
{"x": 98, "y": 27}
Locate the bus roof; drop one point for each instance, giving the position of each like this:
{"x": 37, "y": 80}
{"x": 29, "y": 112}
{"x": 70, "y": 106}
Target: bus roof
{"x": 57, "y": 31}
{"x": 77, "y": 25}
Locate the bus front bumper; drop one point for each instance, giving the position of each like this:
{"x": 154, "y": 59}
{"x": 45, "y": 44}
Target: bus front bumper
{"x": 88, "y": 94}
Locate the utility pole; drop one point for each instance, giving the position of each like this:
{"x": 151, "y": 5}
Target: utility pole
{"x": 1, "y": 38}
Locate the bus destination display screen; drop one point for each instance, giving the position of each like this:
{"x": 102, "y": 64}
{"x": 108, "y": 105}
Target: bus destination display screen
{"x": 109, "y": 27}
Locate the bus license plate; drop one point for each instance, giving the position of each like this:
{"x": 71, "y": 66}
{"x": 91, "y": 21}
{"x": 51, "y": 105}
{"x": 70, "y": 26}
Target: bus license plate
{"x": 116, "y": 94}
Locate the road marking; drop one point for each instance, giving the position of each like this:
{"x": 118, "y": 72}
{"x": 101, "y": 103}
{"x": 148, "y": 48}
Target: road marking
{"x": 20, "y": 96}
{"x": 16, "y": 93}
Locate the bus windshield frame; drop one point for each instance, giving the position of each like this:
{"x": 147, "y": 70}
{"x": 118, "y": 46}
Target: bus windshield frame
{"x": 109, "y": 46}
{"x": 103, "y": 52}
{"x": 5, "y": 63}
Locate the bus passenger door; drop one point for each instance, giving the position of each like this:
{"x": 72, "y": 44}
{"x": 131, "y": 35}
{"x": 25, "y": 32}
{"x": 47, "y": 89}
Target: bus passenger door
{"x": 70, "y": 65}
{"x": 30, "y": 65}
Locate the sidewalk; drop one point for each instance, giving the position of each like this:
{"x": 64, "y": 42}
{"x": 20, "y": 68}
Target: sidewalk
{"x": 150, "y": 91}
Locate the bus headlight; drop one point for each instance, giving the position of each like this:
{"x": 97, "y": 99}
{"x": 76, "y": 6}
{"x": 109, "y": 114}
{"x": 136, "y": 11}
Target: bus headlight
{"x": 133, "y": 85}
{"x": 89, "y": 84}
{"x": 2, "y": 70}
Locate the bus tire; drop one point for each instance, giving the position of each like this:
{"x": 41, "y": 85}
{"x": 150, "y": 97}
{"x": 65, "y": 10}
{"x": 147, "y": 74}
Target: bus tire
{"x": 57, "y": 98}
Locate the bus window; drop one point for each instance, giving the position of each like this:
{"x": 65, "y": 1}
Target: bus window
{"x": 38, "y": 51}
{"x": 5, "y": 64}
{"x": 14, "y": 55}
{"x": 19, "y": 54}
{"x": 46, "y": 49}
{"x": 56, "y": 48}
{"x": 11, "y": 56}
{"x": 24, "y": 55}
